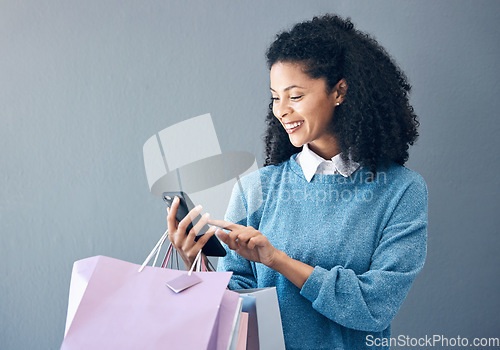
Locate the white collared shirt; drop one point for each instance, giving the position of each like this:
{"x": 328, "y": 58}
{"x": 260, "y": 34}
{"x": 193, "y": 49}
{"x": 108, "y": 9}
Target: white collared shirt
{"x": 312, "y": 164}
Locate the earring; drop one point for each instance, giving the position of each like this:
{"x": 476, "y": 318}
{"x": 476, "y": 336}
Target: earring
{"x": 338, "y": 103}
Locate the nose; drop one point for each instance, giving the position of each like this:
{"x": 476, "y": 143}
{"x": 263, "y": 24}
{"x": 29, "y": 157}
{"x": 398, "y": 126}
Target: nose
{"x": 281, "y": 109}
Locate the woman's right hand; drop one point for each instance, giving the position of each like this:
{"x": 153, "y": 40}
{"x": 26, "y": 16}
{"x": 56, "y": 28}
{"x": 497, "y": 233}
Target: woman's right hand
{"x": 183, "y": 242}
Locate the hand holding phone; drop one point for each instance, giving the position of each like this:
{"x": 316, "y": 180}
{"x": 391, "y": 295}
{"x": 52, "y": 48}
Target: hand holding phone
{"x": 212, "y": 247}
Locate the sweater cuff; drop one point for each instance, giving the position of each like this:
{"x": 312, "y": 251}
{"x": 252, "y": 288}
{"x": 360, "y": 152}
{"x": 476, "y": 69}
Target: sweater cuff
{"x": 310, "y": 290}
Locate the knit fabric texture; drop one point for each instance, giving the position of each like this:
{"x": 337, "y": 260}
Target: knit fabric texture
{"x": 365, "y": 239}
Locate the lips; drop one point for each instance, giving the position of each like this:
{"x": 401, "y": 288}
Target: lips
{"x": 293, "y": 126}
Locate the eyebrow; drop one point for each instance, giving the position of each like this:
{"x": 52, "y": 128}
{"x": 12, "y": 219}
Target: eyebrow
{"x": 287, "y": 88}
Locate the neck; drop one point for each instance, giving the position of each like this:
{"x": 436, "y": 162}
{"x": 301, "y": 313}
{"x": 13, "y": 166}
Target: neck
{"x": 326, "y": 149}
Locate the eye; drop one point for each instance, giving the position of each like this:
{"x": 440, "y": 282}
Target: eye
{"x": 296, "y": 98}
{"x": 275, "y": 98}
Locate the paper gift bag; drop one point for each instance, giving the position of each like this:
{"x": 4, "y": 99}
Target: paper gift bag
{"x": 80, "y": 276}
{"x": 265, "y": 331}
{"x": 242, "y": 332}
{"x": 226, "y": 330}
{"x": 122, "y": 308}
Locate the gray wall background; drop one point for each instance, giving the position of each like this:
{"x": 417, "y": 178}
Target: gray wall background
{"x": 83, "y": 84}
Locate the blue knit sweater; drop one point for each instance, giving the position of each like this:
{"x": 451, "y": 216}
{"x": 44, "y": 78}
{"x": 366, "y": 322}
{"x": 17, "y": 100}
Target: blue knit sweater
{"x": 366, "y": 241}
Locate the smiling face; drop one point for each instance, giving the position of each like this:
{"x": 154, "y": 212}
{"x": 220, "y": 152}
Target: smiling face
{"x": 305, "y": 107}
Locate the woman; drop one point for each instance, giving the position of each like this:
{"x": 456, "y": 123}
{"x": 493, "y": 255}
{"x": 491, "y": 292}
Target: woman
{"x": 333, "y": 220}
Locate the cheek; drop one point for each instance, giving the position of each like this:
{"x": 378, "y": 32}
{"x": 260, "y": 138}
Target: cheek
{"x": 326, "y": 114}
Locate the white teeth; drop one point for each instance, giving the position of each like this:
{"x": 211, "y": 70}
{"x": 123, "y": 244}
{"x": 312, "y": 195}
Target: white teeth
{"x": 292, "y": 125}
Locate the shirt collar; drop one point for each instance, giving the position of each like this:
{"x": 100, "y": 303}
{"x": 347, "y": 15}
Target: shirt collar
{"x": 310, "y": 163}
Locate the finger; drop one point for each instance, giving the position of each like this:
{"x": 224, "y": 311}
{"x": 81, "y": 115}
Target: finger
{"x": 253, "y": 242}
{"x": 189, "y": 218}
{"x": 173, "y": 234}
{"x": 172, "y": 230}
{"x": 201, "y": 223}
{"x": 195, "y": 247}
{"x": 222, "y": 235}
{"x": 189, "y": 241}
{"x": 245, "y": 235}
{"x": 204, "y": 239}
{"x": 175, "y": 205}
{"x": 232, "y": 240}
{"x": 224, "y": 224}
{"x": 193, "y": 213}
{"x": 172, "y": 212}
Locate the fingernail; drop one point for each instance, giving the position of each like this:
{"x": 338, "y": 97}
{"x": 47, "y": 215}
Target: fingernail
{"x": 198, "y": 207}
{"x": 176, "y": 199}
{"x": 206, "y": 215}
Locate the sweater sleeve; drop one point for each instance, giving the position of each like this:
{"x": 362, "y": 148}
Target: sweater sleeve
{"x": 243, "y": 270}
{"x": 369, "y": 301}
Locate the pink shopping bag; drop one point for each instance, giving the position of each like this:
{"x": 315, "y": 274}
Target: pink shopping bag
{"x": 242, "y": 332}
{"x": 227, "y": 323}
{"x": 121, "y": 308}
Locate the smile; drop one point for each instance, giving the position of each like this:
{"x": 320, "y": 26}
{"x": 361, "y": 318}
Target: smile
{"x": 293, "y": 126}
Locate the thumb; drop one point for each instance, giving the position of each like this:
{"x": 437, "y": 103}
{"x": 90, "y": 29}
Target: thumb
{"x": 222, "y": 236}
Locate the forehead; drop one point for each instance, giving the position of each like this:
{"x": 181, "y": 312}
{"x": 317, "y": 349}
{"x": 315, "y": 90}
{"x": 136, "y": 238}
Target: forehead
{"x": 286, "y": 74}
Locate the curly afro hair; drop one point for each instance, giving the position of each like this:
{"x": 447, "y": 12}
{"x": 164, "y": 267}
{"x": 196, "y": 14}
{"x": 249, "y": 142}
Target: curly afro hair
{"x": 375, "y": 124}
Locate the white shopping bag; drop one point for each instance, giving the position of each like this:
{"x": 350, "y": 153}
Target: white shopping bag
{"x": 265, "y": 331}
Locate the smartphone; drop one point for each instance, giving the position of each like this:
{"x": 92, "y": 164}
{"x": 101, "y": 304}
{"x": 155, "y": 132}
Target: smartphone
{"x": 213, "y": 247}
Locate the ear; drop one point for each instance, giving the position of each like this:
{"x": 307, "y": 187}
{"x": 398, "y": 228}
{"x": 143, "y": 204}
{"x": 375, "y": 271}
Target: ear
{"x": 340, "y": 91}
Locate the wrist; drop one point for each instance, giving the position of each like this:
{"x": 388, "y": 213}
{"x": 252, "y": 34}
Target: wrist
{"x": 278, "y": 260}
{"x": 295, "y": 271}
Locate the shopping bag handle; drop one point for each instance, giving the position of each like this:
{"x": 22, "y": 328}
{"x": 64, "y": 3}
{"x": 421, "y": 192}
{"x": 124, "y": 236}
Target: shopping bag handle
{"x": 156, "y": 250}
{"x": 167, "y": 256}
{"x": 199, "y": 262}
{"x": 196, "y": 264}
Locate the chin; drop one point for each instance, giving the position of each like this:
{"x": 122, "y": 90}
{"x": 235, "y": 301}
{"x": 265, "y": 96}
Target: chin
{"x": 296, "y": 143}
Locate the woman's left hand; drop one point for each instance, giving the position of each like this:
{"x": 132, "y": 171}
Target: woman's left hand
{"x": 247, "y": 242}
